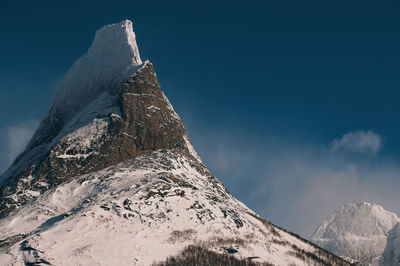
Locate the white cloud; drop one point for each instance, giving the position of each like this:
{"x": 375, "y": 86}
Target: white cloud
{"x": 15, "y": 138}
{"x": 358, "y": 141}
{"x": 300, "y": 191}
{"x": 296, "y": 184}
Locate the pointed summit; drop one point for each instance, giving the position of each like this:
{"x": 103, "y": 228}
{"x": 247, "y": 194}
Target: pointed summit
{"x": 110, "y": 60}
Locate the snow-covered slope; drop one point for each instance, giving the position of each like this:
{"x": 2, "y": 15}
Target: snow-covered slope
{"x": 113, "y": 179}
{"x": 357, "y": 231}
{"x": 142, "y": 211}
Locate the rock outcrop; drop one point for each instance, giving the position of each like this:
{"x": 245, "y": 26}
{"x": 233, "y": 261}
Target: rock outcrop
{"x": 144, "y": 121}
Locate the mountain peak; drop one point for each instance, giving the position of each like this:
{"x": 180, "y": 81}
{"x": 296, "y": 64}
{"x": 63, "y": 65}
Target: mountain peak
{"x": 362, "y": 219}
{"x": 355, "y": 228}
{"x": 109, "y": 108}
{"x": 111, "y": 178}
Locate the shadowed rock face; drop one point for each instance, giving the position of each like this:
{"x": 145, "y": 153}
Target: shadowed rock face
{"x": 143, "y": 121}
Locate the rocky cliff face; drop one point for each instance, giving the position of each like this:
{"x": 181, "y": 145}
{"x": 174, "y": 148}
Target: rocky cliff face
{"x": 143, "y": 121}
{"x": 116, "y": 181}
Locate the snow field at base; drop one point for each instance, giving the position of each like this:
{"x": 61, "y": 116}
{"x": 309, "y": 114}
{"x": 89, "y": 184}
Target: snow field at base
{"x": 108, "y": 218}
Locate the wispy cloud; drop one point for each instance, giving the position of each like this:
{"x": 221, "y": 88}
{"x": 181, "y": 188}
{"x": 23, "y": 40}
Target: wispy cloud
{"x": 15, "y": 138}
{"x": 358, "y": 141}
{"x": 296, "y": 184}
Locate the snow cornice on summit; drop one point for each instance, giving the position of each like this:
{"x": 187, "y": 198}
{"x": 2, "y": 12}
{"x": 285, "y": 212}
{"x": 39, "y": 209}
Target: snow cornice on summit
{"x": 119, "y": 34}
{"x": 110, "y": 60}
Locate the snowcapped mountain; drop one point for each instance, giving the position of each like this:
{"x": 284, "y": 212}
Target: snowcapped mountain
{"x": 360, "y": 232}
{"x": 111, "y": 178}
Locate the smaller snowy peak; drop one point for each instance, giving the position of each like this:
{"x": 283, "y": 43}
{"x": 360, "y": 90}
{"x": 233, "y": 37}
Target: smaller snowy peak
{"x": 362, "y": 219}
{"x": 356, "y": 231}
{"x": 110, "y": 60}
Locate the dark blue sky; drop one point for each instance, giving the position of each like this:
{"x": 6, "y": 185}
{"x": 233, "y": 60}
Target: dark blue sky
{"x": 262, "y": 87}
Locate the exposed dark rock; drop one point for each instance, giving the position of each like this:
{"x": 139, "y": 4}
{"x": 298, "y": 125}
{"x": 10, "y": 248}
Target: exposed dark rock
{"x": 199, "y": 255}
{"x": 11, "y": 240}
{"x": 253, "y": 258}
{"x": 231, "y": 250}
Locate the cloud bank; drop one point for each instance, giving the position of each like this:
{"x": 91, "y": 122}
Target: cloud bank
{"x": 14, "y": 139}
{"x": 296, "y": 184}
